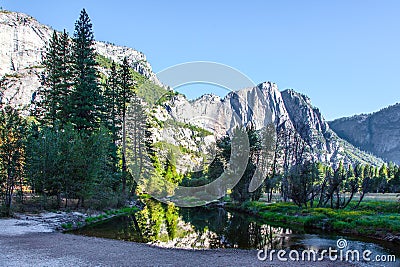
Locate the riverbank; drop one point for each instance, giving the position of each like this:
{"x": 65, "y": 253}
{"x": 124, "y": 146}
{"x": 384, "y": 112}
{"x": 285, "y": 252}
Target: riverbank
{"x": 374, "y": 219}
{"x": 57, "y": 249}
{"x": 35, "y": 240}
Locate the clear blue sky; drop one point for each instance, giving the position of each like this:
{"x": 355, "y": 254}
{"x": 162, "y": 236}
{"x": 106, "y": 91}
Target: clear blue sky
{"x": 345, "y": 55}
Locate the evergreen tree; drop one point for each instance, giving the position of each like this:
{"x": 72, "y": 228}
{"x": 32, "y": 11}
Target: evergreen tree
{"x": 111, "y": 96}
{"x": 12, "y": 155}
{"x": 65, "y": 78}
{"x": 86, "y": 106}
{"x": 395, "y": 181}
{"x": 136, "y": 138}
{"x": 351, "y": 185}
{"x": 240, "y": 192}
{"x": 111, "y": 103}
{"x": 364, "y": 175}
{"x": 126, "y": 83}
{"x": 337, "y": 185}
{"x": 47, "y": 107}
{"x": 56, "y": 82}
{"x": 380, "y": 182}
{"x": 70, "y": 166}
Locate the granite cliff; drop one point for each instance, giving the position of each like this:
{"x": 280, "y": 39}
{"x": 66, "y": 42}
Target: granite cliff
{"x": 197, "y": 123}
{"x": 264, "y": 104}
{"x": 378, "y": 133}
{"x": 23, "y": 41}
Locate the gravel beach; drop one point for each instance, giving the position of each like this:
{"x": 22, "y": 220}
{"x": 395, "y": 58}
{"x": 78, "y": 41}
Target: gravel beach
{"x": 32, "y": 241}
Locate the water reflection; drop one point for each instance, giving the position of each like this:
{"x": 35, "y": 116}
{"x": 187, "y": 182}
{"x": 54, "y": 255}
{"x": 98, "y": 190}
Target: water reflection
{"x": 199, "y": 228}
{"x": 202, "y": 228}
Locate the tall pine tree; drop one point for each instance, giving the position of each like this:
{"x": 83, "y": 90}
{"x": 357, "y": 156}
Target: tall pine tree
{"x": 51, "y": 108}
{"x": 111, "y": 96}
{"x": 86, "y": 106}
{"x": 47, "y": 107}
{"x": 126, "y": 82}
{"x": 65, "y": 77}
{"x": 136, "y": 127}
{"x": 111, "y": 103}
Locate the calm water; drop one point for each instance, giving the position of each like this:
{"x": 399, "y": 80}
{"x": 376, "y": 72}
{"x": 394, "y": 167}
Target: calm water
{"x": 201, "y": 228}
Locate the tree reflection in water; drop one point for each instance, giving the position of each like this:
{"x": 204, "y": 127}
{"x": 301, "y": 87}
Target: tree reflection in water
{"x": 170, "y": 226}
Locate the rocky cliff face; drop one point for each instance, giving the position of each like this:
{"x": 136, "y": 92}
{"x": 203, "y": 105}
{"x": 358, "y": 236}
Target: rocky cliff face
{"x": 23, "y": 41}
{"x": 378, "y": 133}
{"x": 262, "y": 105}
{"x": 259, "y": 105}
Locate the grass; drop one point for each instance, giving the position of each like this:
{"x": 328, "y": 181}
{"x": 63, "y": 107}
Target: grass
{"x": 110, "y": 213}
{"x": 372, "y": 218}
{"x": 107, "y": 214}
{"x": 67, "y": 226}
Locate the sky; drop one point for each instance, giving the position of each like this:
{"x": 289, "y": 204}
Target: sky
{"x": 345, "y": 55}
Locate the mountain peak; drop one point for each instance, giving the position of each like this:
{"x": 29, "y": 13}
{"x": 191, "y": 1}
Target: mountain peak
{"x": 267, "y": 85}
{"x": 15, "y": 17}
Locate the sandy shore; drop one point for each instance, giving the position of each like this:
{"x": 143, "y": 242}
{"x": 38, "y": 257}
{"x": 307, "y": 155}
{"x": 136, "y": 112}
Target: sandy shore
{"x": 34, "y": 242}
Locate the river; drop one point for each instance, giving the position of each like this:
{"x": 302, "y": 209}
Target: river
{"x": 210, "y": 228}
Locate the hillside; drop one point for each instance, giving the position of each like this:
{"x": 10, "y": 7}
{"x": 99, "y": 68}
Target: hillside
{"x": 378, "y": 133}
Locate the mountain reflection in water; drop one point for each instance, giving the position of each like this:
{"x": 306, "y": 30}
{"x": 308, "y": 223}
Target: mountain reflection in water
{"x": 194, "y": 228}
{"x": 208, "y": 228}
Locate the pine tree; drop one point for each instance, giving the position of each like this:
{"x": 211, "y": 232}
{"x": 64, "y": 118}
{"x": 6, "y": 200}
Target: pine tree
{"x": 136, "y": 127}
{"x": 12, "y": 155}
{"x": 126, "y": 83}
{"x": 111, "y": 98}
{"x": 112, "y": 116}
{"x": 86, "y": 106}
{"x": 65, "y": 78}
{"x": 47, "y": 108}
{"x": 56, "y": 82}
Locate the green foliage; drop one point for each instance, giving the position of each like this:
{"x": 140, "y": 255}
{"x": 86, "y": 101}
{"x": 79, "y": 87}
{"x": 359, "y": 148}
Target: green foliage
{"x": 371, "y": 217}
{"x": 103, "y": 61}
{"x": 111, "y": 213}
{"x": 56, "y": 82}
{"x": 12, "y": 156}
{"x": 147, "y": 90}
{"x": 86, "y": 104}
{"x": 69, "y": 164}
{"x": 240, "y": 191}
{"x": 171, "y": 216}
{"x": 67, "y": 226}
{"x": 166, "y": 97}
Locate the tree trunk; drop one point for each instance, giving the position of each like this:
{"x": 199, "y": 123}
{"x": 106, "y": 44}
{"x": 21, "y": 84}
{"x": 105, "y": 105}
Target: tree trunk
{"x": 359, "y": 201}
{"x": 59, "y": 200}
{"x": 348, "y": 201}
{"x": 123, "y": 154}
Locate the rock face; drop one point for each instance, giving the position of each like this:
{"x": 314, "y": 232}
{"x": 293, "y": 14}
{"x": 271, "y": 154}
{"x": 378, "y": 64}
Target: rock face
{"x": 23, "y": 41}
{"x": 378, "y": 133}
{"x": 262, "y": 105}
